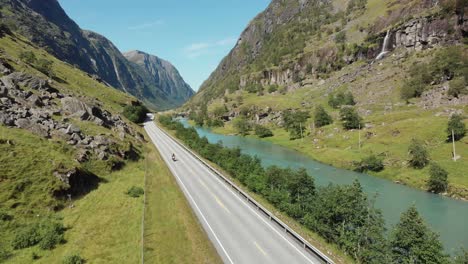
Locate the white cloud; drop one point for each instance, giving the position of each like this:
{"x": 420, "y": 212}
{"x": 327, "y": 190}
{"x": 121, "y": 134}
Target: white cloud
{"x": 147, "y": 25}
{"x": 198, "y": 49}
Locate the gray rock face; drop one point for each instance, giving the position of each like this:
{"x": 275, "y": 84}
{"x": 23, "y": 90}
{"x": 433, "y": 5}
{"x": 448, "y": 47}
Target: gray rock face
{"x": 32, "y": 111}
{"x": 163, "y": 74}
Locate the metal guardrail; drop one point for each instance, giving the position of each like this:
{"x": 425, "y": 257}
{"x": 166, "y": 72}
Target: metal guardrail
{"x": 306, "y": 245}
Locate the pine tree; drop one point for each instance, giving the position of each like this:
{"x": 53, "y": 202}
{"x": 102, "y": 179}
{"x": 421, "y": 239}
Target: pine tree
{"x": 321, "y": 117}
{"x": 413, "y": 242}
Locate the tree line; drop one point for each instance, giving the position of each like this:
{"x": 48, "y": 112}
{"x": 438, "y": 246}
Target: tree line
{"x": 342, "y": 214}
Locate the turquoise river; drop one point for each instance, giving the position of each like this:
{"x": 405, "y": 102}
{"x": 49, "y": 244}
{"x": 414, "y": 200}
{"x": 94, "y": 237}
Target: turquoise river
{"x": 448, "y": 217}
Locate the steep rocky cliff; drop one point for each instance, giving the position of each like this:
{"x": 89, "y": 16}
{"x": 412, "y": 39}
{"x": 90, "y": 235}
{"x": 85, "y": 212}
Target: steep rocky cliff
{"x": 293, "y": 40}
{"x": 47, "y": 25}
{"x": 163, "y": 74}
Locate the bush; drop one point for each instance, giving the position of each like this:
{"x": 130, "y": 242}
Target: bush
{"x": 136, "y": 112}
{"x": 28, "y": 57}
{"x": 419, "y": 156}
{"x": 456, "y": 124}
{"x": 272, "y": 88}
{"x": 135, "y": 192}
{"x": 340, "y": 37}
{"x": 321, "y": 117}
{"x": 27, "y": 237}
{"x": 47, "y": 234}
{"x": 242, "y": 125}
{"x": 262, "y": 131}
{"x": 457, "y": 88}
{"x": 4, "y": 253}
{"x": 340, "y": 99}
{"x": 73, "y": 259}
{"x": 350, "y": 118}
{"x": 4, "y": 216}
{"x": 52, "y": 233}
{"x": 45, "y": 66}
{"x": 370, "y": 163}
{"x": 437, "y": 179}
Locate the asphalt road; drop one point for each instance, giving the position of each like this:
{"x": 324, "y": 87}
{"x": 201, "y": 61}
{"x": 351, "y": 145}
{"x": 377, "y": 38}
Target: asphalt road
{"x": 239, "y": 232}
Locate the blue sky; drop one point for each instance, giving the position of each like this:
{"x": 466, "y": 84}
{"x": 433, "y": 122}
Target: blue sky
{"x": 194, "y": 35}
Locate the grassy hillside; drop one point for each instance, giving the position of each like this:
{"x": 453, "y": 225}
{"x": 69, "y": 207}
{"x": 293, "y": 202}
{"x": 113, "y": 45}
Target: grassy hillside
{"x": 101, "y": 223}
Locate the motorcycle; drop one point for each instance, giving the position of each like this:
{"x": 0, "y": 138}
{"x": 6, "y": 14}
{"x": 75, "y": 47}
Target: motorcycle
{"x": 173, "y": 157}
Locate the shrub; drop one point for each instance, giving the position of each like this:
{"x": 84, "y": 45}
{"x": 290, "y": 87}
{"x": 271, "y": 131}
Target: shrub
{"x": 136, "y": 112}
{"x": 28, "y": 57}
{"x": 214, "y": 122}
{"x": 350, "y": 118}
{"x": 461, "y": 257}
{"x": 73, "y": 259}
{"x": 242, "y": 125}
{"x": 262, "y": 131}
{"x": 135, "y": 192}
{"x": 419, "y": 156}
{"x": 456, "y": 124}
{"x": 370, "y": 163}
{"x": 4, "y": 253}
{"x": 341, "y": 98}
{"x": 52, "y": 235}
{"x": 220, "y": 111}
{"x": 457, "y": 88}
{"x": 27, "y": 237}
{"x": 321, "y": 117}
{"x": 437, "y": 178}
{"x": 340, "y": 37}
{"x": 35, "y": 256}
{"x": 272, "y": 88}
{"x": 45, "y": 66}
{"x": 4, "y": 216}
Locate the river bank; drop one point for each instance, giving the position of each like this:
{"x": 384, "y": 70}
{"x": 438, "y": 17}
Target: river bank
{"x": 446, "y": 216}
{"x": 343, "y": 151}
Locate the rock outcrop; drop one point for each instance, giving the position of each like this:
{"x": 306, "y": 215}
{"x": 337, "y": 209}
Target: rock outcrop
{"x": 30, "y": 103}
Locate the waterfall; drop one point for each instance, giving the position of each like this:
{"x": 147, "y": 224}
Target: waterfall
{"x": 384, "y": 46}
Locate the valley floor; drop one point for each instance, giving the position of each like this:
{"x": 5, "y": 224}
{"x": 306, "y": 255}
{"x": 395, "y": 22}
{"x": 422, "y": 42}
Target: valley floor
{"x": 389, "y": 137}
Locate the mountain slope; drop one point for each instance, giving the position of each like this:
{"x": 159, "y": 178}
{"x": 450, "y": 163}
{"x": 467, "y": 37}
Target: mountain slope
{"x": 296, "y": 55}
{"x": 64, "y": 136}
{"x": 163, "y": 74}
{"x": 46, "y": 24}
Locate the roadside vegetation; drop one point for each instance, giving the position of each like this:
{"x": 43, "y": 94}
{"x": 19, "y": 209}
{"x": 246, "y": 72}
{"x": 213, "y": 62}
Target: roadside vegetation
{"x": 343, "y": 215}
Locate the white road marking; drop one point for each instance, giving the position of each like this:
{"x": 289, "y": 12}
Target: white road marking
{"x": 260, "y": 248}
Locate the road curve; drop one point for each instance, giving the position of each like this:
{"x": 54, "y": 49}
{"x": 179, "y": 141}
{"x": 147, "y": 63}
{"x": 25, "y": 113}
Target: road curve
{"x": 239, "y": 232}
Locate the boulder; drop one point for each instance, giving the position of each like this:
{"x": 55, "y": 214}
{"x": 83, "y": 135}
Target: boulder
{"x": 72, "y": 129}
{"x": 72, "y": 105}
{"x": 3, "y": 91}
{"x": 35, "y": 100}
